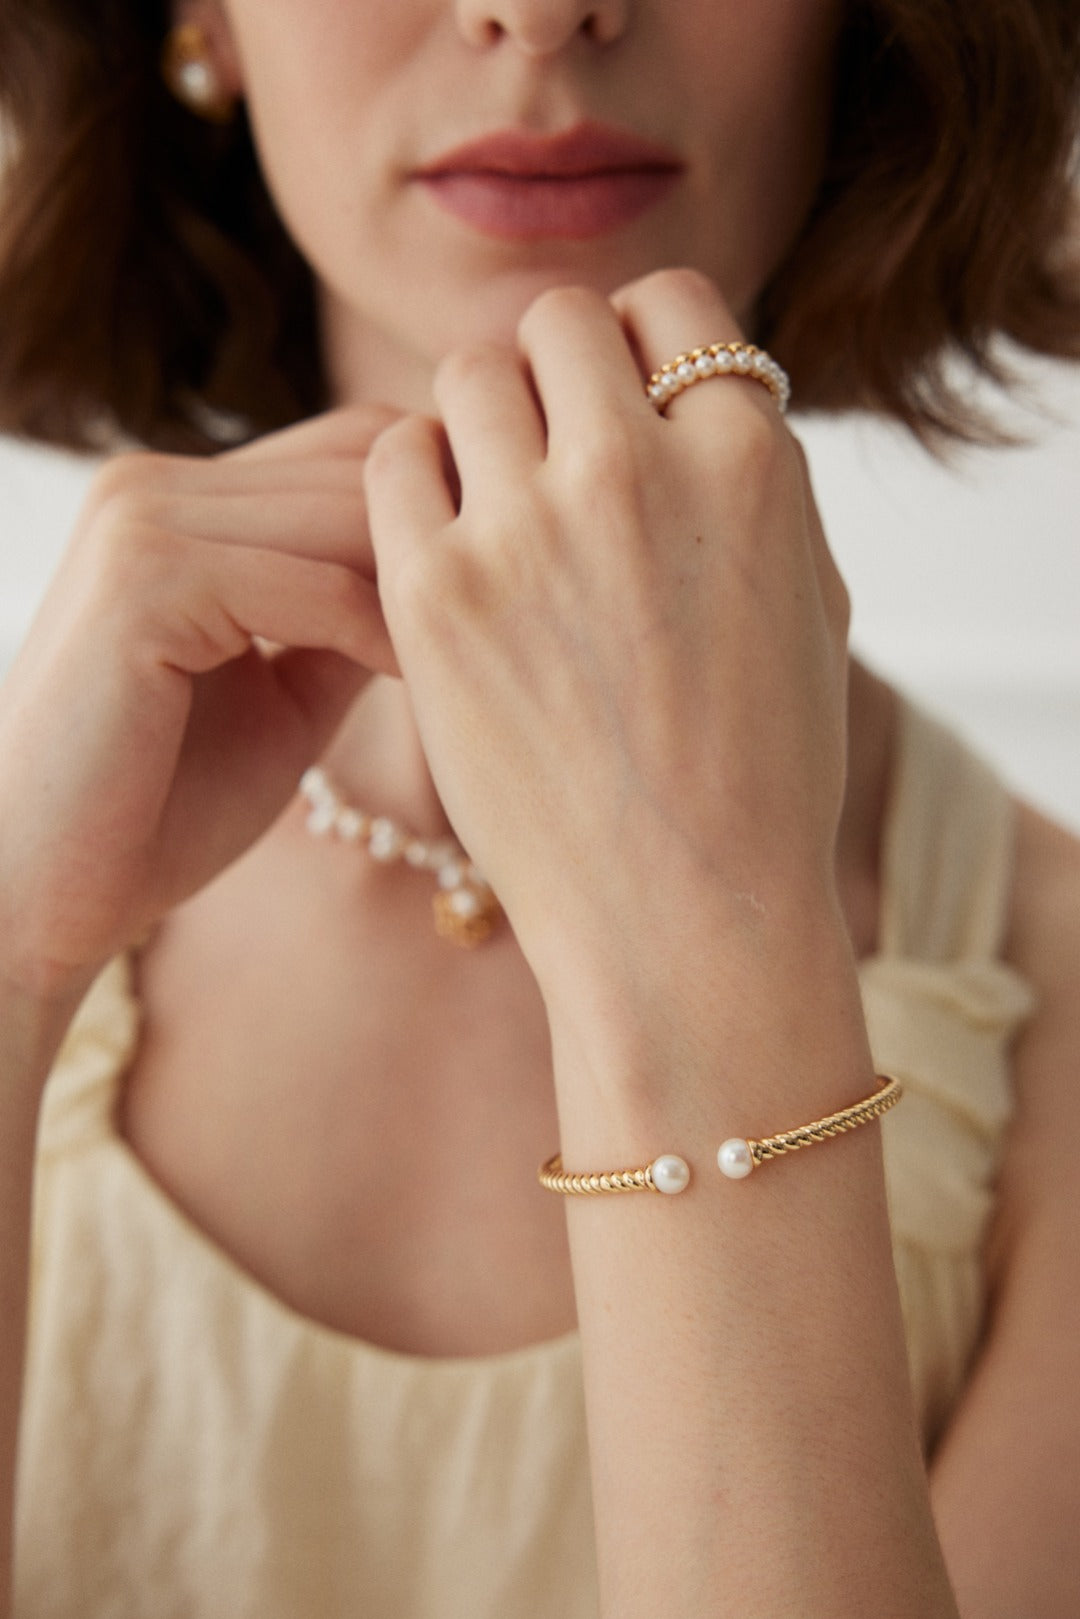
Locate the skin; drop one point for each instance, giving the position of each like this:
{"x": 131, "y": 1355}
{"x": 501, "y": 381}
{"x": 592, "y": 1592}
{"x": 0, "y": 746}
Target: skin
{"x": 398, "y": 86}
{"x": 716, "y": 695}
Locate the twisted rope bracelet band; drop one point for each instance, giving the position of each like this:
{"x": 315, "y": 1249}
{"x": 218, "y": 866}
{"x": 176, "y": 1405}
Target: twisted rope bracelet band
{"x": 736, "y": 1157}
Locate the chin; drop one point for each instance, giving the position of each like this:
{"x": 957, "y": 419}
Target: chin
{"x": 492, "y": 310}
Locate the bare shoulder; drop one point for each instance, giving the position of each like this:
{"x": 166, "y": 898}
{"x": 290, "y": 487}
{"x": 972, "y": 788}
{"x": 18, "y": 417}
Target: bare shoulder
{"x": 1040, "y": 1182}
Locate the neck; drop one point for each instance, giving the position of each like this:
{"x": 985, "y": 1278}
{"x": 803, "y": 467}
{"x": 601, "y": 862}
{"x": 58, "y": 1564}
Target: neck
{"x": 369, "y": 366}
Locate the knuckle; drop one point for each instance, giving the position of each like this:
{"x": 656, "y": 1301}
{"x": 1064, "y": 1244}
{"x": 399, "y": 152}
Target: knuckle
{"x": 392, "y": 443}
{"x": 681, "y": 282}
{"x": 128, "y": 489}
{"x": 756, "y": 450}
{"x": 129, "y": 552}
{"x": 557, "y": 304}
{"x": 133, "y": 470}
{"x": 124, "y": 479}
{"x": 357, "y": 427}
{"x": 469, "y": 367}
{"x": 367, "y": 419}
{"x": 127, "y": 568}
{"x": 122, "y": 509}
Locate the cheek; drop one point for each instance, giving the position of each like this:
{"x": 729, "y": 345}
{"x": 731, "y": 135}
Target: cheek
{"x": 314, "y": 72}
{"x": 783, "y": 62}
{"x": 773, "y": 124}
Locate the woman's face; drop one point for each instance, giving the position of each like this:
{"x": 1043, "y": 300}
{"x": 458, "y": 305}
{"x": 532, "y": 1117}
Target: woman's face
{"x": 701, "y": 125}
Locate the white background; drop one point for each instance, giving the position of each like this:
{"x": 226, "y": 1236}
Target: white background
{"x": 965, "y": 582}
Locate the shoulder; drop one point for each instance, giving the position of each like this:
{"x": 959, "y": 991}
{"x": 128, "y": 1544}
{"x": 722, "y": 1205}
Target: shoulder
{"x": 1040, "y": 1180}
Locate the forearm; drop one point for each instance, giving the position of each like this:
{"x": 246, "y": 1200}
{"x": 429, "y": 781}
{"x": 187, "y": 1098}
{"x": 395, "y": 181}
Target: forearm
{"x": 753, "y": 1442}
{"x": 30, "y": 1032}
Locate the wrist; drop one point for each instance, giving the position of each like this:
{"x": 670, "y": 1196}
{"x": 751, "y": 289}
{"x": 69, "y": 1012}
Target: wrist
{"x": 723, "y": 1016}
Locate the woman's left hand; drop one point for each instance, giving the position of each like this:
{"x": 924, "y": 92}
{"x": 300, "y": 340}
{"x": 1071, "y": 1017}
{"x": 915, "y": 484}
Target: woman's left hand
{"x": 625, "y": 638}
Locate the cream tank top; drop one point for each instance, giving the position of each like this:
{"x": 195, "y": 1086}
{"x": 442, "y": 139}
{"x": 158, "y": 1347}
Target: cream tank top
{"x": 192, "y": 1448}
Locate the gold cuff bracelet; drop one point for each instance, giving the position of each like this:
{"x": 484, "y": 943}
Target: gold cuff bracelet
{"x": 735, "y": 1157}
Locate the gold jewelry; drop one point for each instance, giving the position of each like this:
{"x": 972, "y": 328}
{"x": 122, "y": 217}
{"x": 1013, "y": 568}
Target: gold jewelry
{"x": 736, "y": 1157}
{"x": 668, "y": 1173}
{"x": 465, "y": 907}
{"x": 718, "y": 360}
{"x": 187, "y": 66}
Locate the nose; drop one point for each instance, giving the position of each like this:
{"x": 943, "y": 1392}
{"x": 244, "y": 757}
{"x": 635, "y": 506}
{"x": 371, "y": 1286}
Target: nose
{"x": 541, "y": 27}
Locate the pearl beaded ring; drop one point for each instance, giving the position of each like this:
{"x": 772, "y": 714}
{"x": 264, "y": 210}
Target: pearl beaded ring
{"x": 718, "y": 360}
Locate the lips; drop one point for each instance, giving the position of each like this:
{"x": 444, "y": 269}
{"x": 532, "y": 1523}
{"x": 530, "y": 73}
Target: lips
{"x": 520, "y": 186}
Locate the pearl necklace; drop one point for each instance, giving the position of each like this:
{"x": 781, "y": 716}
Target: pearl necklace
{"x": 465, "y": 907}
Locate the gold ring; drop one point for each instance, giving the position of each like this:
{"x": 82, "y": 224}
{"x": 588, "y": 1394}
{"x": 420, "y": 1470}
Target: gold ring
{"x": 718, "y": 360}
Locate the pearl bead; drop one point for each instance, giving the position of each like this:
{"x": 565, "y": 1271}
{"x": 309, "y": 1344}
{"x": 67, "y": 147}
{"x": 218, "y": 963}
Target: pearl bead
{"x": 724, "y": 361}
{"x": 199, "y": 82}
{"x": 735, "y": 1158}
{"x": 742, "y": 362}
{"x": 670, "y": 1173}
{"x": 466, "y": 909}
{"x": 321, "y": 819}
{"x": 465, "y": 902}
{"x": 386, "y": 841}
{"x": 705, "y": 365}
{"x": 314, "y": 785}
{"x": 350, "y": 824}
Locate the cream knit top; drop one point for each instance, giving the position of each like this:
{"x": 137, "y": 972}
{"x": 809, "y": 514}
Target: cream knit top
{"x": 194, "y": 1449}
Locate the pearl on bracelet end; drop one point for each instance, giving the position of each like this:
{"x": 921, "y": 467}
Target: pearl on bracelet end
{"x": 735, "y": 1158}
{"x": 670, "y": 1173}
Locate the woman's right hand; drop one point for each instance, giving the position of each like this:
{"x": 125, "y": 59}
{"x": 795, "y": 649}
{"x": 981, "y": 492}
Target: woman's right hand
{"x": 146, "y": 740}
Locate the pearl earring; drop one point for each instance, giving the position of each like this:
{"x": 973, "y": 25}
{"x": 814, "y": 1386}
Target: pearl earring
{"x": 189, "y": 71}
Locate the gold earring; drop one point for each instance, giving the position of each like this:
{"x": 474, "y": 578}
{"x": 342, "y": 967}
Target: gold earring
{"x": 188, "y": 69}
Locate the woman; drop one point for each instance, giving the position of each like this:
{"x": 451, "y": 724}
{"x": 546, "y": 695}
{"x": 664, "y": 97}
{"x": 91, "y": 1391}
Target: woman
{"x": 306, "y": 1335}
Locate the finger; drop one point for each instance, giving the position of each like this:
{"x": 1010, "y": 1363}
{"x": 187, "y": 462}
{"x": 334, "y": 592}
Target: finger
{"x": 319, "y": 686}
{"x": 240, "y": 733}
{"x": 314, "y": 508}
{"x": 672, "y": 312}
{"x": 491, "y": 416}
{"x": 348, "y": 431}
{"x": 327, "y": 524}
{"x": 407, "y": 483}
{"x": 582, "y": 367}
{"x": 323, "y": 684}
{"x": 200, "y": 605}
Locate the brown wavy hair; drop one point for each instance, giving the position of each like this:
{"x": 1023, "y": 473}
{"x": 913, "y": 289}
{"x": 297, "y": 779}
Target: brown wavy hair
{"x": 149, "y": 290}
